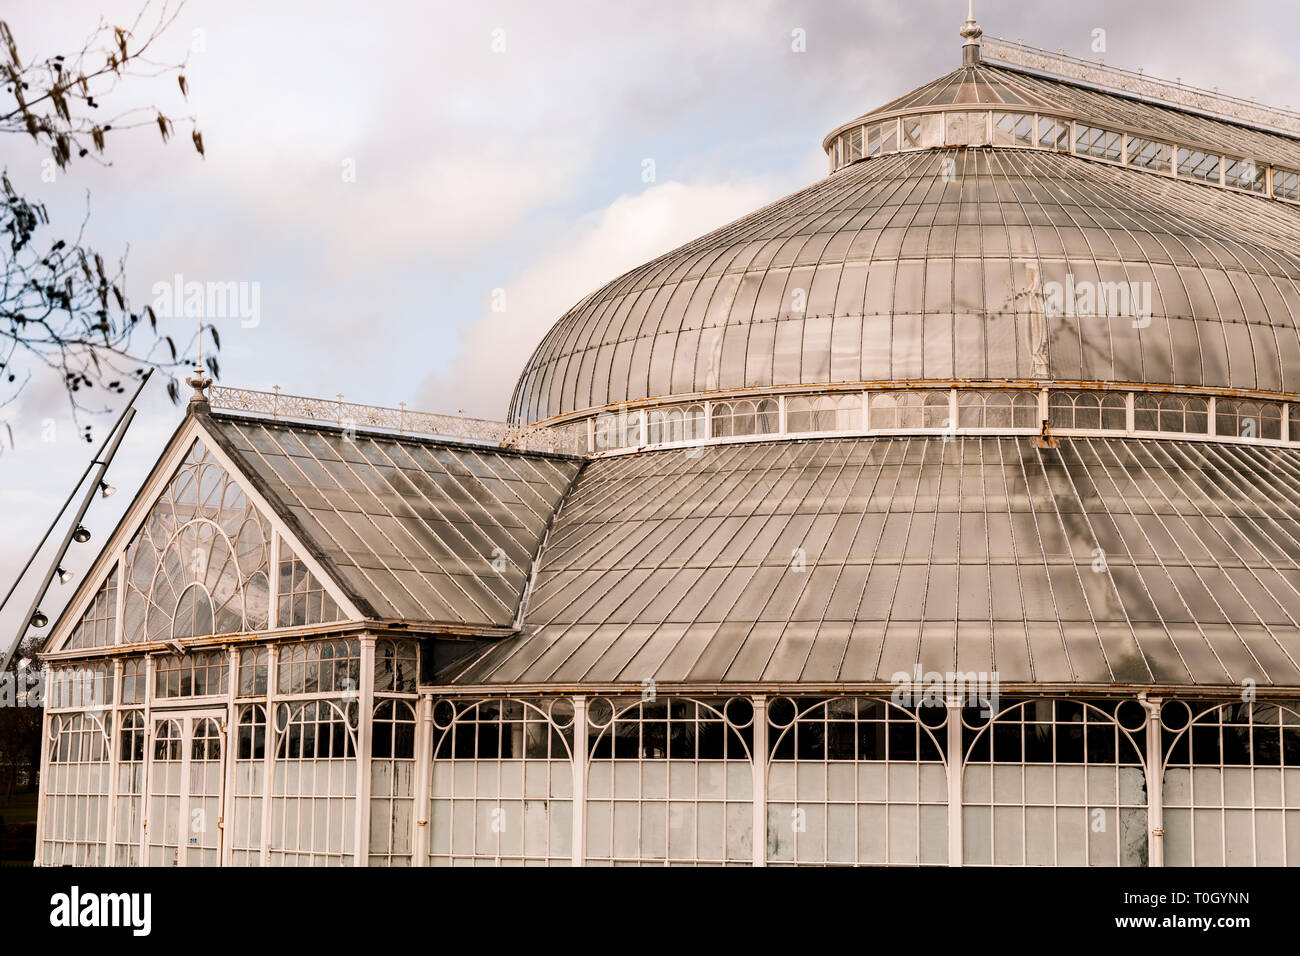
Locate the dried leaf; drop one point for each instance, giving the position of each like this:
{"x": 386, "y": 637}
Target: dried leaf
{"x": 198, "y": 141}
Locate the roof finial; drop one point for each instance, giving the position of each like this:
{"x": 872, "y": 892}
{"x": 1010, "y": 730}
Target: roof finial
{"x": 199, "y": 381}
{"x": 970, "y": 50}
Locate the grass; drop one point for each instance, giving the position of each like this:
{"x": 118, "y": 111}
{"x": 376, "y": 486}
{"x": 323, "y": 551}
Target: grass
{"x": 20, "y": 809}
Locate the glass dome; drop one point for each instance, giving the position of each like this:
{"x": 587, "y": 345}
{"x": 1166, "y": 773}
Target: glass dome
{"x": 990, "y": 226}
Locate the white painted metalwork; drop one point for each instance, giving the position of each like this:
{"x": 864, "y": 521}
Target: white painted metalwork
{"x": 502, "y": 782}
{"x": 1138, "y": 84}
{"x": 1231, "y": 783}
{"x": 670, "y": 782}
{"x": 349, "y": 415}
{"x": 1055, "y": 783}
{"x": 77, "y": 789}
{"x": 856, "y": 780}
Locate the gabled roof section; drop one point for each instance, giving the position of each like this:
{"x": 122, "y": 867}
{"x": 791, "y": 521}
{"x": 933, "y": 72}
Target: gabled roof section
{"x": 412, "y": 529}
{"x": 190, "y": 558}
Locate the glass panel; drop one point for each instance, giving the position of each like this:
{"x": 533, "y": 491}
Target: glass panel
{"x": 199, "y": 564}
{"x": 1148, "y": 154}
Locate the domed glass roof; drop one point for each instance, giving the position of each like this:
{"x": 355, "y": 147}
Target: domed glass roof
{"x": 959, "y": 245}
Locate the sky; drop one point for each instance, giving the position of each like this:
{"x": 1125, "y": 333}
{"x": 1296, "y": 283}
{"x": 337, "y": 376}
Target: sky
{"x": 387, "y": 175}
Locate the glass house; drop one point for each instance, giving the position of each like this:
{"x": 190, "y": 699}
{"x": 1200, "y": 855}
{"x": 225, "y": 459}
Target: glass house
{"x": 944, "y": 512}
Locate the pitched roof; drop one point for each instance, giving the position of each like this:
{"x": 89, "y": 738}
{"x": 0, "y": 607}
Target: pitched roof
{"x": 851, "y": 560}
{"x": 412, "y": 529}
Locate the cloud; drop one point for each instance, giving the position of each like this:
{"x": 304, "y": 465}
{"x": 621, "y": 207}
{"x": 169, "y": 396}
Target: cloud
{"x": 632, "y": 230}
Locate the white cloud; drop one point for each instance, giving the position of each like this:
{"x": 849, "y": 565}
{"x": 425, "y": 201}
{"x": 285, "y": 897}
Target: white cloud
{"x": 632, "y": 230}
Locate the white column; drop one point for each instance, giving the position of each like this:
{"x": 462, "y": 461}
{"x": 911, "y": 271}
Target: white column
{"x": 230, "y": 735}
{"x": 579, "y": 780}
{"x": 955, "y": 766}
{"x": 114, "y": 736}
{"x": 46, "y": 746}
{"x": 365, "y": 727}
{"x": 759, "y": 760}
{"x": 423, "y": 774}
{"x": 268, "y": 756}
{"x": 273, "y": 585}
{"x": 1155, "y": 771}
{"x": 146, "y": 805}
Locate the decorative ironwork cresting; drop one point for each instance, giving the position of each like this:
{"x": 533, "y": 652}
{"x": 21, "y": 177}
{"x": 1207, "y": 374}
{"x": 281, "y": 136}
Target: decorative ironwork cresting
{"x": 278, "y": 406}
{"x": 1149, "y": 88}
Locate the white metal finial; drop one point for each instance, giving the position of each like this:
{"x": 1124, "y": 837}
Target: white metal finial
{"x": 970, "y": 49}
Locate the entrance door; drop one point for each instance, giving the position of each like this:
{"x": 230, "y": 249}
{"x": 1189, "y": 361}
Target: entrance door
{"x": 186, "y": 777}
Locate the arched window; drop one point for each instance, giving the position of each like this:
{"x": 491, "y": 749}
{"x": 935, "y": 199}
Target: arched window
{"x": 1245, "y": 419}
{"x": 313, "y": 803}
{"x": 392, "y": 784}
{"x": 167, "y": 741}
{"x": 670, "y": 781}
{"x": 75, "y": 791}
{"x": 396, "y": 667}
{"x": 1170, "y": 413}
{"x": 199, "y": 564}
{"x": 823, "y": 413}
{"x": 1055, "y": 783}
{"x": 675, "y": 424}
{"x": 206, "y": 744}
{"x": 856, "y": 780}
{"x": 252, "y": 732}
{"x": 132, "y": 736}
{"x": 129, "y": 808}
{"x": 502, "y": 787}
{"x": 1231, "y": 784}
{"x": 249, "y": 786}
{"x": 193, "y": 615}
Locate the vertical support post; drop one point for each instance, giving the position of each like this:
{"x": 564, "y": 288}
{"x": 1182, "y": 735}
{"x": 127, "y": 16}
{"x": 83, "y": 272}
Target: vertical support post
{"x": 43, "y": 779}
{"x": 759, "y": 761}
{"x": 365, "y": 728}
{"x": 1212, "y": 411}
{"x": 579, "y": 839}
{"x": 273, "y": 584}
{"x": 114, "y": 714}
{"x": 268, "y": 751}
{"x": 423, "y": 775}
{"x": 230, "y": 733}
{"x": 956, "y": 764}
{"x": 1286, "y": 421}
{"x": 1155, "y": 771}
{"x": 1130, "y": 412}
{"x": 145, "y": 803}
